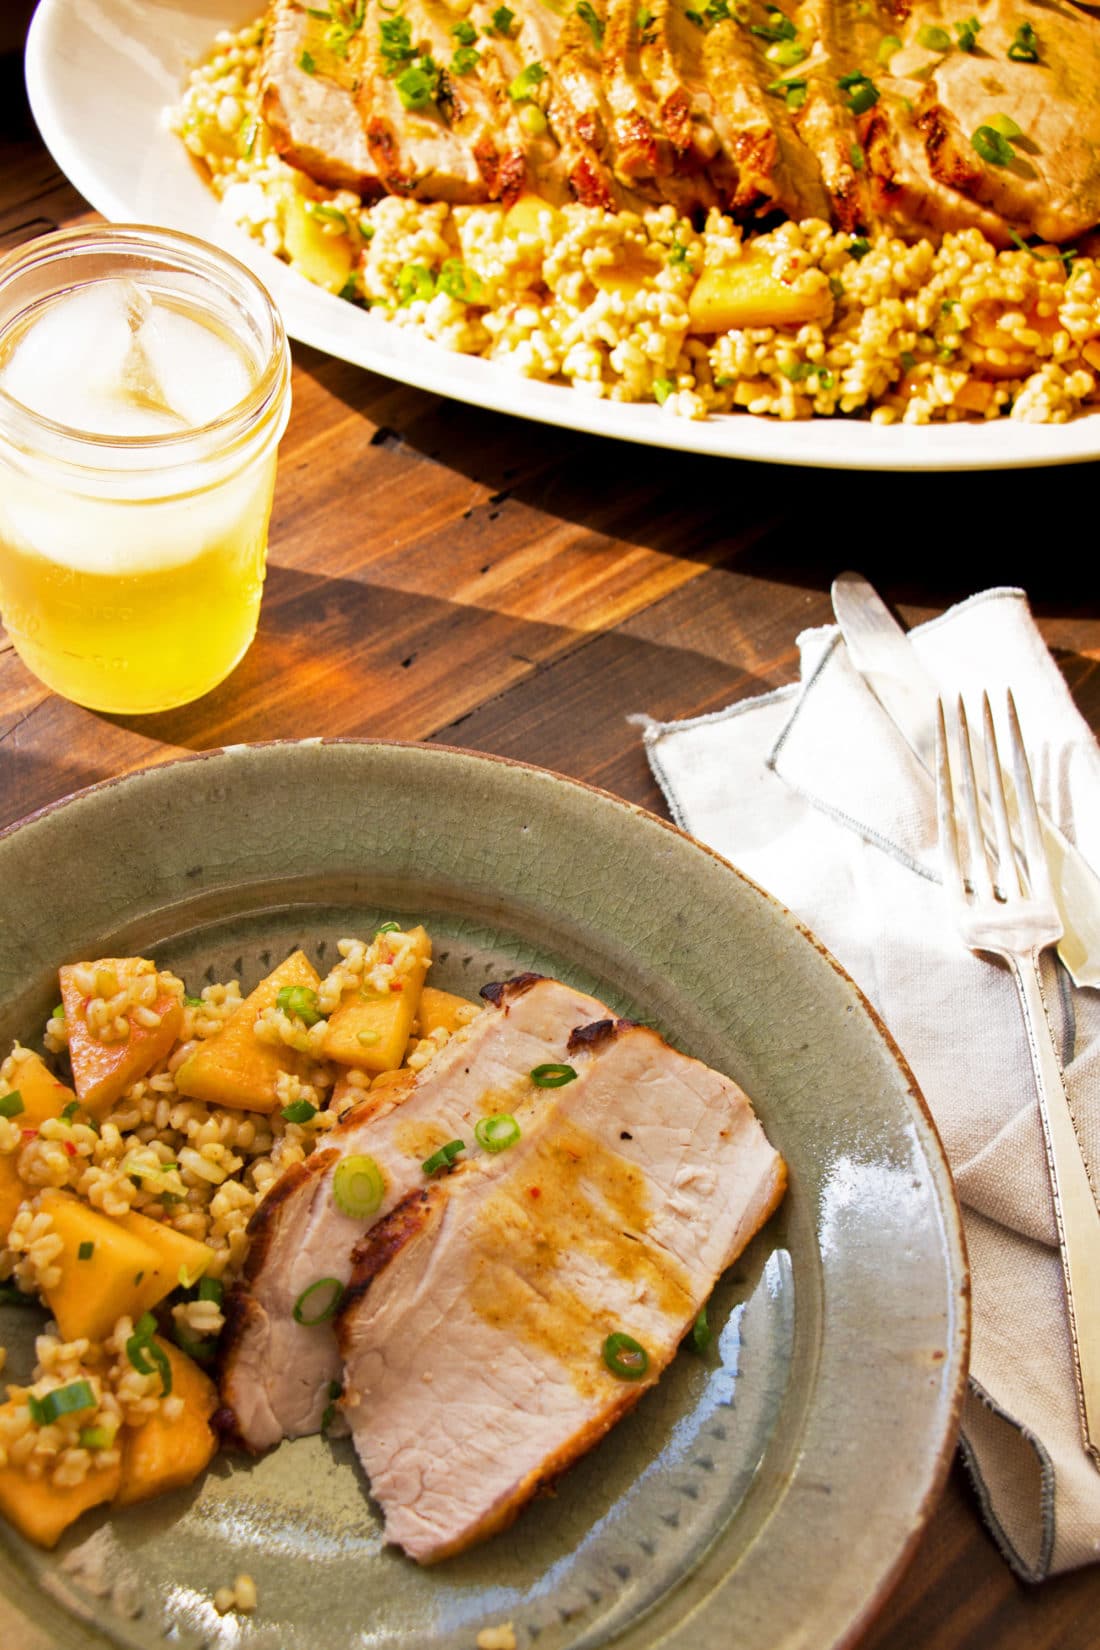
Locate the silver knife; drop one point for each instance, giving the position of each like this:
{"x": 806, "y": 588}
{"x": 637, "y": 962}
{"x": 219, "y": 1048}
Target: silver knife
{"x": 887, "y": 661}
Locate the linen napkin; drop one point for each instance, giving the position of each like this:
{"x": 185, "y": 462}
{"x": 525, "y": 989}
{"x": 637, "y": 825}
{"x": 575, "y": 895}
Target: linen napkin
{"x": 813, "y": 793}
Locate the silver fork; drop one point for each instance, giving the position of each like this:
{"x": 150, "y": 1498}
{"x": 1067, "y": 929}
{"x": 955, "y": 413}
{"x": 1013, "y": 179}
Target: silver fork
{"x": 1008, "y": 907}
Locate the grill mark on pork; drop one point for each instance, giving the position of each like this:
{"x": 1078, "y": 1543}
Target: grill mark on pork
{"x": 385, "y": 1240}
{"x": 503, "y": 992}
{"x": 473, "y": 1369}
{"x": 595, "y": 1036}
{"x": 276, "y": 1372}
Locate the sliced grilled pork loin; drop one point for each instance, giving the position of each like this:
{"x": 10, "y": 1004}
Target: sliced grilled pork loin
{"x": 313, "y": 117}
{"x": 474, "y": 1326}
{"x": 275, "y": 1373}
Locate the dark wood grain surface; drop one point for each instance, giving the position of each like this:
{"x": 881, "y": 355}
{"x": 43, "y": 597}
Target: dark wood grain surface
{"x": 442, "y": 573}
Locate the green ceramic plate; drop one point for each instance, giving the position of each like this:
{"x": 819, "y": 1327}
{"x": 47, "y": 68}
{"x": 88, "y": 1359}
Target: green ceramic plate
{"x": 764, "y": 1495}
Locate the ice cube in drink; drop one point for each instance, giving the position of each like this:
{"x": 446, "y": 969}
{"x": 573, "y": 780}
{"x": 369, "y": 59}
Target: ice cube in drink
{"x": 130, "y": 579}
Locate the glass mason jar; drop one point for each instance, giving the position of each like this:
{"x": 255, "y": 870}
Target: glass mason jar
{"x": 132, "y": 555}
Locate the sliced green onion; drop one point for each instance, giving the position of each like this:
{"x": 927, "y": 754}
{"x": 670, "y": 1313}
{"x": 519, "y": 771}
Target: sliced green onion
{"x": 414, "y": 282}
{"x": 323, "y": 1309}
{"x": 862, "y": 92}
{"x": 553, "y": 1076}
{"x": 859, "y": 248}
{"x": 498, "y": 1132}
{"x": 329, "y": 1415}
{"x": 444, "y": 1157}
{"x": 388, "y": 928}
{"x": 327, "y": 214}
{"x": 59, "y": 1012}
{"x": 193, "y": 1002}
{"x": 69, "y": 1112}
{"x": 587, "y": 14}
{"x": 96, "y": 1437}
{"x": 502, "y": 19}
{"x": 1005, "y": 125}
{"x": 464, "y": 32}
{"x": 85, "y": 1251}
{"x": 465, "y": 60}
{"x": 786, "y": 53}
{"x": 299, "y": 1111}
{"x": 1025, "y": 46}
{"x": 780, "y": 28}
{"x": 662, "y": 389}
{"x": 887, "y": 46}
{"x": 63, "y": 1400}
{"x": 140, "y": 1349}
{"x": 625, "y": 1357}
{"x": 701, "y": 1334}
{"x": 643, "y": 18}
{"x": 532, "y": 119}
{"x": 459, "y": 282}
{"x": 934, "y": 39}
{"x": 300, "y": 1003}
{"x": 415, "y": 88}
{"x": 855, "y": 155}
{"x": 396, "y": 40}
{"x": 992, "y": 147}
{"x": 11, "y": 1104}
{"x": 199, "y": 1347}
{"x": 307, "y": 64}
{"x": 358, "y": 1186}
{"x": 968, "y": 32}
{"x": 526, "y": 81}
{"x": 211, "y": 1289}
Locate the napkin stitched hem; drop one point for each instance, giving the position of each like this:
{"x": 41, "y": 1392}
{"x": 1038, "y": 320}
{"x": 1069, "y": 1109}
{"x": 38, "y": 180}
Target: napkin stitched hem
{"x": 1012, "y": 1556}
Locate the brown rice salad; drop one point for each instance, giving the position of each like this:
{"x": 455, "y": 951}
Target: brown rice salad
{"x": 641, "y": 307}
{"x": 118, "y": 1138}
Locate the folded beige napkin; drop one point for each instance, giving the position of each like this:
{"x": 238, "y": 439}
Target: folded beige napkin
{"x": 812, "y": 792}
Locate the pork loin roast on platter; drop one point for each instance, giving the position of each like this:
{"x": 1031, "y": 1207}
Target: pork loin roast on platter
{"x": 862, "y": 113}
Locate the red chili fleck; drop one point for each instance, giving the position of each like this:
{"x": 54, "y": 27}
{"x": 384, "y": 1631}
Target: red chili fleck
{"x": 30, "y": 1134}
{"x": 69, "y": 1147}
{"x": 398, "y": 985}
{"x": 533, "y": 1191}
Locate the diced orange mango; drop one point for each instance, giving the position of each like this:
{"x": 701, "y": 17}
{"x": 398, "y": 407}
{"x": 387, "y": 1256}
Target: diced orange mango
{"x": 442, "y": 1008}
{"x": 627, "y": 274}
{"x": 42, "y": 1096}
{"x": 101, "y": 1071}
{"x": 180, "y": 1260}
{"x": 160, "y": 1454}
{"x": 748, "y": 294}
{"x": 373, "y": 1032}
{"x": 41, "y": 1511}
{"x": 314, "y": 250}
{"x": 108, "y": 1282}
{"x": 234, "y": 1068}
{"x": 525, "y": 216}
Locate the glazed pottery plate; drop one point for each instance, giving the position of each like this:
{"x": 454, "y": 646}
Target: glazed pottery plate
{"x": 101, "y": 74}
{"x": 765, "y": 1493}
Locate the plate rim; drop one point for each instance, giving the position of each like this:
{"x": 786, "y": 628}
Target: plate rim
{"x": 310, "y": 316}
{"x": 953, "y": 1247}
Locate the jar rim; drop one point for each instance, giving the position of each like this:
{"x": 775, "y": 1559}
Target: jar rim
{"x": 178, "y": 252}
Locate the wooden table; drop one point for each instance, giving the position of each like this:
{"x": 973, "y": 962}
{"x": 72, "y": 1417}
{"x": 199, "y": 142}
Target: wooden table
{"x": 442, "y": 573}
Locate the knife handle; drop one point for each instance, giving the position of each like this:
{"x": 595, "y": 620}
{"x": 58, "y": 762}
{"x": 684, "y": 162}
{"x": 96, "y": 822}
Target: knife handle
{"x": 1077, "y": 891}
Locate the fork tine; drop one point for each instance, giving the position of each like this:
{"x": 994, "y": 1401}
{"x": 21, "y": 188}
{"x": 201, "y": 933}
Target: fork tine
{"x": 1007, "y": 873}
{"x": 977, "y": 862}
{"x": 945, "y": 807}
{"x": 1038, "y": 869}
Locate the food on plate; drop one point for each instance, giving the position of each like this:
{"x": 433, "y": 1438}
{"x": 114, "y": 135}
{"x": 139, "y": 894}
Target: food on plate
{"x": 597, "y": 193}
{"x": 290, "y": 1195}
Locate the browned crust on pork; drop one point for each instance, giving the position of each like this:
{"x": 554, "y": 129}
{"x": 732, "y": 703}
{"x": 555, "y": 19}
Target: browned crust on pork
{"x": 373, "y": 1253}
{"x": 947, "y": 160}
{"x": 503, "y": 992}
{"x": 587, "y": 1039}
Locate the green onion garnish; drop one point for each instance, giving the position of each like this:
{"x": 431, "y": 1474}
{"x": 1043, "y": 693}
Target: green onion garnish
{"x": 464, "y": 32}
{"x": 85, "y": 1251}
{"x": 780, "y": 27}
{"x": 643, "y": 18}
{"x": 524, "y": 84}
{"x": 968, "y": 32}
{"x": 1005, "y": 125}
{"x": 786, "y": 53}
{"x": 299, "y": 1111}
{"x": 855, "y": 155}
{"x": 323, "y": 1309}
{"x": 625, "y": 1357}
{"x": 887, "y": 46}
{"x": 329, "y": 1415}
{"x": 552, "y": 1076}
{"x": 465, "y": 60}
{"x": 140, "y": 1348}
{"x": 992, "y": 147}
{"x": 418, "y": 85}
{"x": 532, "y": 119}
{"x": 862, "y": 92}
{"x": 388, "y": 928}
{"x": 211, "y": 1289}
{"x": 502, "y": 20}
{"x": 859, "y": 248}
{"x": 63, "y": 1400}
{"x": 327, "y": 214}
{"x": 587, "y": 14}
{"x": 306, "y": 63}
{"x": 193, "y": 1002}
{"x": 198, "y": 1347}
{"x": 459, "y": 282}
{"x": 300, "y": 1003}
{"x": 1025, "y": 46}
{"x": 96, "y": 1437}
{"x": 414, "y": 282}
{"x": 701, "y": 1335}
{"x": 497, "y": 1133}
{"x": 396, "y": 41}
{"x": 934, "y": 39}
{"x": 444, "y": 1157}
{"x": 662, "y": 389}
{"x": 69, "y": 1112}
{"x": 59, "y": 1012}
{"x": 11, "y": 1104}
{"x": 358, "y": 1187}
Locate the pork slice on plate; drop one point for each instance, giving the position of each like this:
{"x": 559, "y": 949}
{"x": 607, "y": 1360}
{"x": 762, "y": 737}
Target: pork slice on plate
{"x": 276, "y": 1372}
{"x": 475, "y": 1331}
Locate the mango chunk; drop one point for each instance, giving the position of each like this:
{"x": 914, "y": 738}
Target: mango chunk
{"x": 108, "y": 1282}
{"x": 102, "y": 1071}
{"x": 42, "y": 1096}
{"x": 373, "y": 1032}
{"x": 179, "y": 1258}
{"x": 443, "y": 1008}
{"x": 321, "y": 256}
{"x": 234, "y": 1068}
{"x": 747, "y": 294}
{"x": 162, "y": 1455}
{"x": 41, "y": 1511}
{"x": 525, "y": 216}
